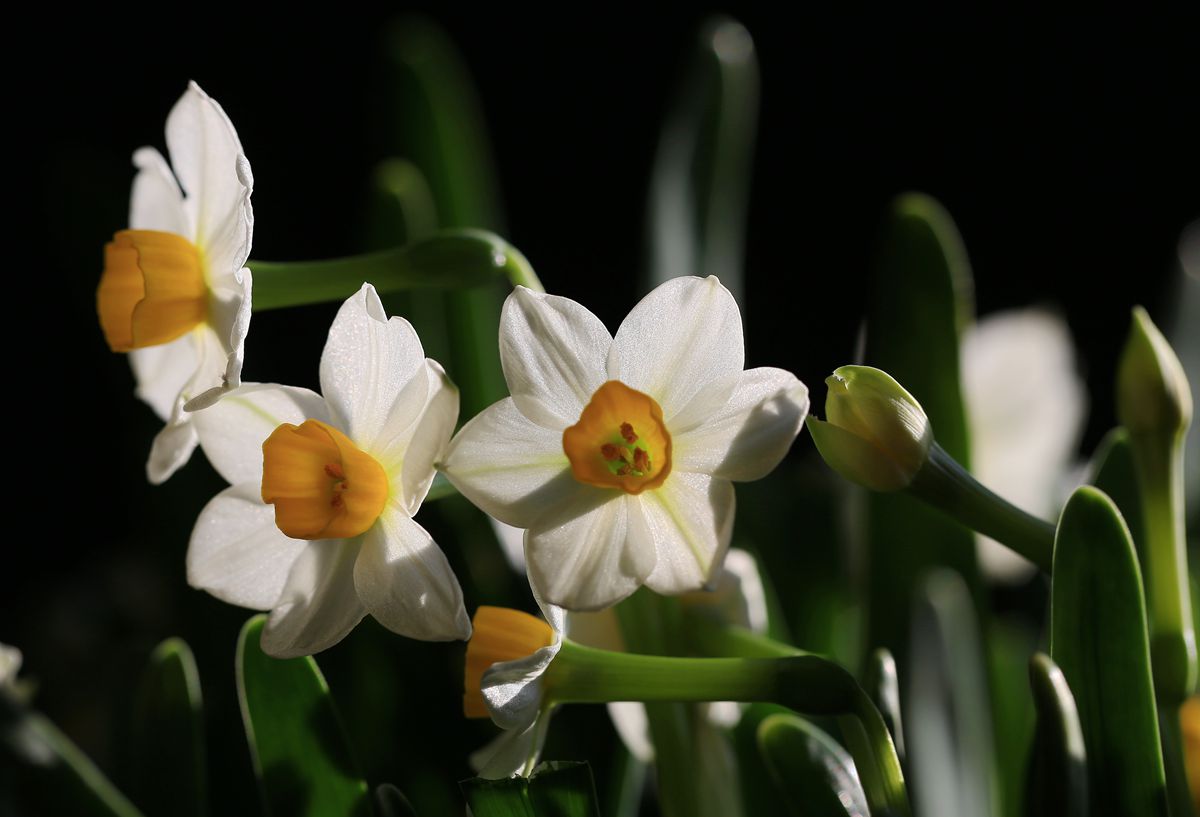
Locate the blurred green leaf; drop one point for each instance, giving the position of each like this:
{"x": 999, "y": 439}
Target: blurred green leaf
{"x": 440, "y": 127}
{"x": 556, "y": 789}
{"x": 1098, "y": 638}
{"x": 1009, "y": 643}
{"x": 881, "y": 683}
{"x": 760, "y": 795}
{"x": 301, "y": 758}
{"x": 816, "y": 775}
{"x": 702, "y": 169}
{"x": 1058, "y": 782}
{"x": 1113, "y": 472}
{"x": 917, "y": 305}
{"x": 627, "y": 779}
{"x": 948, "y": 717}
{"x": 391, "y": 802}
{"x": 168, "y": 735}
{"x": 47, "y": 773}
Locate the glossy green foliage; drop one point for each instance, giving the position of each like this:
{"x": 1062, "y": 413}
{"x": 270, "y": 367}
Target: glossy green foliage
{"x": 553, "y": 790}
{"x": 701, "y": 175}
{"x": 882, "y": 683}
{"x": 815, "y": 775}
{"x": 1098, "y": 638}
{"x": 918, "y": 303}
{"x": 168, "y": 735}
{"x": 439, "y": 125}
{"x": 1114, "y": 473}
{"x": 949, "y": 730}
{"x": 1058, "y": 784}
{"x": 297, "y": 743}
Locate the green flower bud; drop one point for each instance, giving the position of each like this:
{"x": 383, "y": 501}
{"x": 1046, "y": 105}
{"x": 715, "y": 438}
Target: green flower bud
{"x": 1152, "y": 391}
{"x": 875, "y": 433}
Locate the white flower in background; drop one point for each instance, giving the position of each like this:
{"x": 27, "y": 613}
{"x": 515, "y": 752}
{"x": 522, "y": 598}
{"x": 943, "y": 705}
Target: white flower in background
{"x": 175, "y": 293}
{"x": 317, "y": 525}
{"x": 1025, "y": 408}
{"x": 10, "y": 665}
{"x": 616, "y": 454}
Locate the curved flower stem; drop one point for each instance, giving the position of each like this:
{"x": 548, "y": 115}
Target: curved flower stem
{"x": 946, "y": 485}
{"x": 817, "y": 686}
{"x": 451, "y": 259}
{"x": 808, "y": 684}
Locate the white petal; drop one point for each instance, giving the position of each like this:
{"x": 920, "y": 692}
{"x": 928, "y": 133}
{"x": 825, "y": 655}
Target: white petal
{"x": 233, "y": 430}
{"x": 162, "y": 371}
{"x": 1025, "y": 407}
{"x": 691, "y": 520}
{"x": 512, "y": 690}
{"x": 682, "y": 345}
{"x": 215, "y": 176}
{"x": 319, "y": 605}
{"x": 367, "y": 362}
{"x": 553, "y": 351}
{"x": 171, "y": 449}
{"x": 405, "y": 582}
{"x": 156, "y": 202}
{"x": 422, "y": 444}
{"x": 590, "y": 552}
{"x": 749, "y": 435}
{"x": 237, "y": 553}
{"x": 513, "y": 752}
{"x": 229, "y": 313}
{"x": 508, "y": 466}
{"x": 737, "y": 596}
{"x": 632, "y": 725}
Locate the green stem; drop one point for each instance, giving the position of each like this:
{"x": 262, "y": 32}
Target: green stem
{"x": 813, "y": 685}
{"x": 1159, "y": 463}
{"x": 946, "y": 485}
{"x": 447, "y": 260}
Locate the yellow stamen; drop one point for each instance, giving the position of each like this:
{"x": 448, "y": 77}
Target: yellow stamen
{"x": 152, "y": 290}
{"x": 321, "y": 484}
{"x": 500, "y": 634}
{"x": 620, "y": 441}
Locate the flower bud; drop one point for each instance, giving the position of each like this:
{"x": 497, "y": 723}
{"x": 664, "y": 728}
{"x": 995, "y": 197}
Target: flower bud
{"x": 875, "y": 433}
{"x": 1152, "y": 390}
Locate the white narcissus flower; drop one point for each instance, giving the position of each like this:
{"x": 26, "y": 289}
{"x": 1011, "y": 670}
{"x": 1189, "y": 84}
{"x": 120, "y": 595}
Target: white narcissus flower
{"x": 1025, "y": 409}
{"x": 175, "y": 292}
{"x": 616, "y": 454}
{"x": 317, "y": 525}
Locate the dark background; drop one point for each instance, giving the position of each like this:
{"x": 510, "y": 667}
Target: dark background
{"x": 1066, "y": 150}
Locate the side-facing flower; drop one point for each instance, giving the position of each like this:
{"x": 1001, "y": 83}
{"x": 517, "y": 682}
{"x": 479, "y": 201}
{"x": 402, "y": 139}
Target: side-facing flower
{"x": 175, "y": 292}
{"x": 616, "y": 454}
{"x": 317, "y": 525}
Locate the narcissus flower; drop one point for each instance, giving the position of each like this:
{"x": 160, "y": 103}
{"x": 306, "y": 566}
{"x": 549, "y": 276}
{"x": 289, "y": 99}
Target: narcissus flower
{"x": 616, "y": 454}
{"x": 175, "y": 293}
{"x": 317, "y": 525}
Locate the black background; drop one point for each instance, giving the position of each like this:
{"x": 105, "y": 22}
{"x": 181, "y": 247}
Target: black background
{"x": 1067, "y": 151}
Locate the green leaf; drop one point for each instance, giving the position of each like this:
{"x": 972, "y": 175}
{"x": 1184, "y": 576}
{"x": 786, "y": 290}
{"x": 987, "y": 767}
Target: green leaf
{"x": 168, "y": 735}
{"x": 439, "y": 125}
{"x": 701, "y": 175}
{"x": 297, "y": 744}
{"x": 950, "y": 740}
{"x": 556, "y": 789}
{"x": 918, "y": 304}
{"x": 626, "y": 781}
{"x": 1113, "y": 472}
{"x": 881, "y": 683}
{"x": 1058, "y": 781}
{"x": 391, "y": 802}
{"x": 760, "y": 795}
{"x": 1098, "y": 638}
{"x": 47, "y": 773}
{"x": 816, "y": 775}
